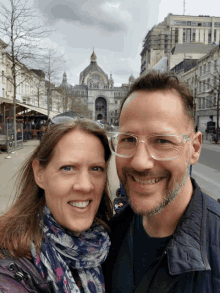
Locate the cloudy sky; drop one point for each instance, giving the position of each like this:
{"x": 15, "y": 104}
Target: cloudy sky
{"x": 115, "y": 29}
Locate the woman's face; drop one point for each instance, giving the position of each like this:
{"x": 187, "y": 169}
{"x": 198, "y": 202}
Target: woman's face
{"x": 74, "y": 180}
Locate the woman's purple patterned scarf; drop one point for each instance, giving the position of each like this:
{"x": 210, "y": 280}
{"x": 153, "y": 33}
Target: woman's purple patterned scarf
{"x": 61, "y": 250}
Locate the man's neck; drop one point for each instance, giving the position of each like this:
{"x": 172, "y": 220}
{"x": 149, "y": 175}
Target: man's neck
{"x": 164, "y": 223}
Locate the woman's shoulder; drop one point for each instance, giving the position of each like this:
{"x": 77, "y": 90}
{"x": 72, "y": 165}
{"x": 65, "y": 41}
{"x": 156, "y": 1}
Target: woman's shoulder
{"x": 21, "y": 276}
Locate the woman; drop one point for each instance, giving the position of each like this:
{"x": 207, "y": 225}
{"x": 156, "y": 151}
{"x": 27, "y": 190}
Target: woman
{"x": 53, "y": 239}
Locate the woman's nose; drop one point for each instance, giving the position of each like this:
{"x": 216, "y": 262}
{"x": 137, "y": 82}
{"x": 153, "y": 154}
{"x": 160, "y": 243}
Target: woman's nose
{"x": 83, "y": 182}
{"x": 142, "y": 159}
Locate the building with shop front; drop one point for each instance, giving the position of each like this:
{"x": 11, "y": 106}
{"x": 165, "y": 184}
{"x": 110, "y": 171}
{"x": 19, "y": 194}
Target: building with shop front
{"x": 96, "y": 90}
{"x": 31, "y": 87}
{"x": 173, "y": 30}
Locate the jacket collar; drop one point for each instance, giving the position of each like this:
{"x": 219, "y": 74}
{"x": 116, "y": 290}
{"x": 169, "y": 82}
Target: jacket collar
{"x": 187, "y": 249}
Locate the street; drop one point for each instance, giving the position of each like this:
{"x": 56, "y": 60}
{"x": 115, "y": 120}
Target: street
{"x": 206, "y": 172}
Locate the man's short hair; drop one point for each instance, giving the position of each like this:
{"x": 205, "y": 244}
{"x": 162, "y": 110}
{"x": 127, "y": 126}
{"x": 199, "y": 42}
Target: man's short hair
{"x": 154, "y": 81}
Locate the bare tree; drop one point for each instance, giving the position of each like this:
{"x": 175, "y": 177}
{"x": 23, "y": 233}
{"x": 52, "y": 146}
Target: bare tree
{"x": 51, "y": 62}
{"x": 73, "y": 102}
{"x": 23, "y": 32}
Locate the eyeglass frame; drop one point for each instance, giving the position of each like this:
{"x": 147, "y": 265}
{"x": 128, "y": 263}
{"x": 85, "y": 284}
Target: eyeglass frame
{"x": 110, "y": 134}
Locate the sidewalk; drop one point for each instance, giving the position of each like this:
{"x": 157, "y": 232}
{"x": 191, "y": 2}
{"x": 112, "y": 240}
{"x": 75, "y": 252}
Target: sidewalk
{"x": 210, "y": 146}
{"x": 8, "y": 170}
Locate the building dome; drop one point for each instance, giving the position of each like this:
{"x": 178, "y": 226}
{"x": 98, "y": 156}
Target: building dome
{"x": 131, "y": 79}
{"x": 111, "y": 79}
{"x": 64, "y": 83}
{"x": 92, "y": 68}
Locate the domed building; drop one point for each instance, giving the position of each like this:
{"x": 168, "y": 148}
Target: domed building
{"x": 65, "y": 84}
{"x": 97, "y": 91}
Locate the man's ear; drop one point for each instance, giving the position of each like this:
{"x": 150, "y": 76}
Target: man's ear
{"x": 196, "y": 146}
{"x": 38, "y": 173}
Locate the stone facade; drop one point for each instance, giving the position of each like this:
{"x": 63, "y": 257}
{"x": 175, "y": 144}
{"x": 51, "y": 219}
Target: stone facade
{"x": 97, "y": 91}
{"x": 204, "y": 81}
{"x": 177, "y": 29}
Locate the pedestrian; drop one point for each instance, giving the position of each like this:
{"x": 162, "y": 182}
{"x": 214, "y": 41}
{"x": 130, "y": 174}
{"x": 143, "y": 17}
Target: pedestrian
{"x": 168, "y": 238}
{"x": 54, "y": 238}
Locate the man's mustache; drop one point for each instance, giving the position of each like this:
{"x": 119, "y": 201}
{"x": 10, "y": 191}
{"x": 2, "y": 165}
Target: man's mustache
{"x": 146, "y": 173}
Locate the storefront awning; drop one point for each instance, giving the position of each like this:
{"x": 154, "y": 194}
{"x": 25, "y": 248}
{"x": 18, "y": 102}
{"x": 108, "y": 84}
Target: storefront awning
{"x": 33, "y": 109}
{"x": 21, "y": 107}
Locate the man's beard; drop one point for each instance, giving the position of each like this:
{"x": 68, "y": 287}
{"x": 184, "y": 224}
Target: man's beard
{"x": 168, "y": 197}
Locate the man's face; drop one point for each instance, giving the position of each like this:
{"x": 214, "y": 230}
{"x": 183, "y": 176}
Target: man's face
{"x": 149, "y": 183}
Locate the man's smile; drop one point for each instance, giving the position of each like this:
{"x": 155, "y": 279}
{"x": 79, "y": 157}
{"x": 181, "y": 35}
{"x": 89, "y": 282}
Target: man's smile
{"x": 146, "y": 181}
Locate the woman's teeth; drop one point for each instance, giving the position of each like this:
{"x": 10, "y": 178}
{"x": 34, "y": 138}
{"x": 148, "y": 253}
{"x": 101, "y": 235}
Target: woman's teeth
{"x": 152, "y": 181}
{"x": 79, "y": 204}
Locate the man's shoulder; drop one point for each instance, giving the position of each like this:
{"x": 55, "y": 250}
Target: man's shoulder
{"x": 211, "y": 205}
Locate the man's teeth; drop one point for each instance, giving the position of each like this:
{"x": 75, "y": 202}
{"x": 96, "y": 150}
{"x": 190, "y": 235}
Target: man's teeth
{"x": 152, "y": 181}
{"x": 79, "y": 204}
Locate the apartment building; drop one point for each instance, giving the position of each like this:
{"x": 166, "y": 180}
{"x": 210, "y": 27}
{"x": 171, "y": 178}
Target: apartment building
{"x": 204, "y": 79}
{"x": 177, "y": 29}
{"x": 31, "y": 86}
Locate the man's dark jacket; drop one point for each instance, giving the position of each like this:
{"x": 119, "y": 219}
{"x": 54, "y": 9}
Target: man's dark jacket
{"x": 191, "y": 260}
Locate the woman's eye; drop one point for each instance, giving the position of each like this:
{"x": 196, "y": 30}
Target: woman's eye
{"x": 67, "y": 168}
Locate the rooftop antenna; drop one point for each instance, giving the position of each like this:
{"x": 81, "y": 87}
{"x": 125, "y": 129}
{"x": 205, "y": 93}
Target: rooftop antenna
{"x": 184, "y": 4}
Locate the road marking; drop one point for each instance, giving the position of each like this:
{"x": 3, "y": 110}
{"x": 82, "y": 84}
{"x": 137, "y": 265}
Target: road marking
{"x": 205, "y": 178}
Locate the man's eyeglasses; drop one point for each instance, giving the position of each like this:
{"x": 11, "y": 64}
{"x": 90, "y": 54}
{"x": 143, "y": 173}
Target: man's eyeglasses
{"x": 162, "y": 147}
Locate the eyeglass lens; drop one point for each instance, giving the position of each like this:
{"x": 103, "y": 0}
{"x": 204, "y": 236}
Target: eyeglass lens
{"x": 159, "y": 147}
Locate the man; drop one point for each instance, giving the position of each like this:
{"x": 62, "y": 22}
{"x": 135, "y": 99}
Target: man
{"x": 168, "y": 238}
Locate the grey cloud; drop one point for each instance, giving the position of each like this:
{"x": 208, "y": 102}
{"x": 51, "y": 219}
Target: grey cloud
{"x": 85, "y": 13}
{"x": 122, "y": 72}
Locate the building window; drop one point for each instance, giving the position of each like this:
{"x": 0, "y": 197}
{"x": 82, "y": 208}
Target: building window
{"x": 176, "y": 35}
{"x": 199, "y": 103}
{"x": 215, "y": 64}
{"x": 214, "y": 101}
{"x": 194, "y": 35}
{"x": 214, "y": 35}
{"x": 3, "y": 79}
{"x": 204, "y": 69}
{"x": 208, "y": 101}
{"x": 208, "y": 83}
{"x": 209, "y": 66}
{"x": 200, "y": 86}
{"x": 188, "y": 23}
{"x": 184, "y": 35}
{"x": 209, "y": 36}
{"x": 200, "y": 70}
{"x": 204, "y": 86}
{"x": 214, "y": 82}
{"x": 203, "y": 103}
